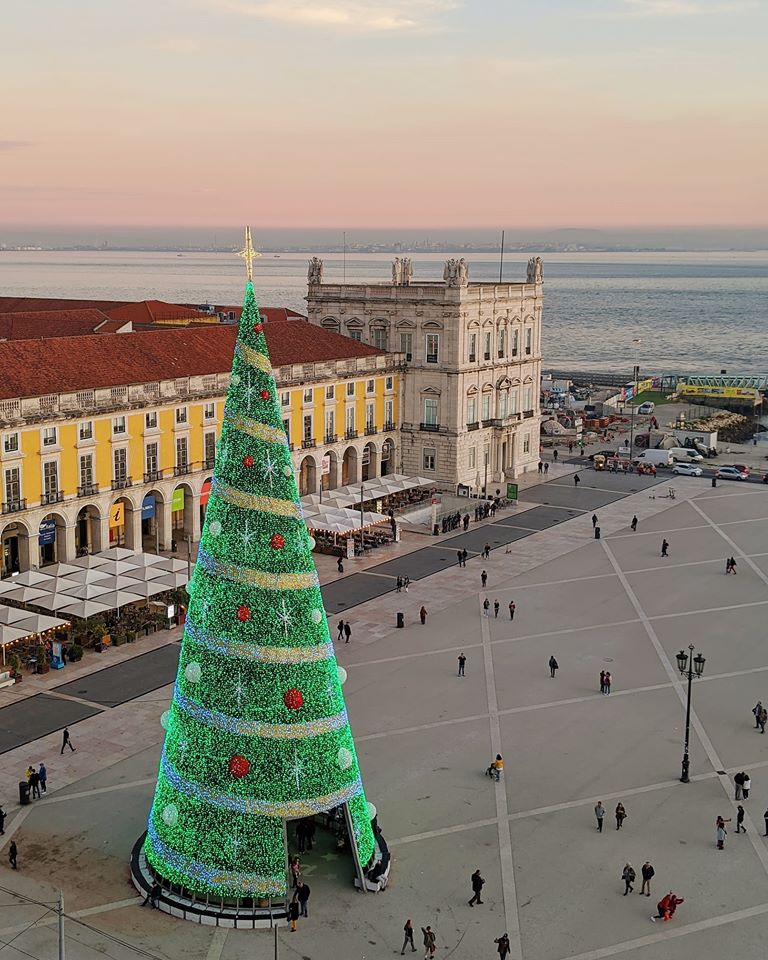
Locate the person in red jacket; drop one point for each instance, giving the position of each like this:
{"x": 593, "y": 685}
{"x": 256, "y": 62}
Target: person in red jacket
{"x": 667, "y": 906}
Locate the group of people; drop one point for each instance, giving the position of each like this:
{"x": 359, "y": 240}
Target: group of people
{"x": 37, "y": 780}
{"x": 345, "y": 631}
{"x": 730, "y": 565}
{"x": 605, "y": 682}
{"x": 403, "y": 583}
{"x": 620, "y": 814}
{"x": 497, "y": 607}
{"x": 761, "y": 716}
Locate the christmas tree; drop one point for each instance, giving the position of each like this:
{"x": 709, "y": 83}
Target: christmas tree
{"x": 257, "y": 731}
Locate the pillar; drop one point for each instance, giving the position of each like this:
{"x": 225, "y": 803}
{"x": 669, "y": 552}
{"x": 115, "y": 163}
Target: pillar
{"x": 65, "y": 545}
{"x": 163, "y": 516}
{"x": 192, "y": 516}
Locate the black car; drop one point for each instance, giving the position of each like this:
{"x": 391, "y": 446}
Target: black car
{"x": 602, "y": 453}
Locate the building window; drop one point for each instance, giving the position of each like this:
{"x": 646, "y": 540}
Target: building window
{"x": 528, "y": 339}
{"x": 503, "y": 399}
{"x": 370, "y": 418}
{"x": 85, "y": 430}
{"x": 472, "y": 458}
{"x": 118, "y": 426}
{"x": 515, "y": 342}
{"x": 285, "y": 398}
{"x": 287, "y": 429}
{"x": 513, "y": 401}
{"x": 330, "y": 425}
{"x": 150, "y": 420}
{"x": 502, "y": 343}
{"x": 307, "y": 427}
{"x": 209, "y": 411}
{"x": 86, "y": 470}
{"x": 329, "y": 392}
{"x": 430, "y": 411}
{"x": 12, "y": 485}
{"x": 209, "y": 449}
{"x": 351, "y": 388}
{"x": 527, "y": 399}
{"x": 370, "y": 386}
{"x": 389, "y": 413}
{"x": 120, "y": 460}
{"x": 486, "y": 406}
{"x": 433, "y": 348}
{"x": 49, "y": 436}
{"x": 472, "y": 347}
{"x": 11, "y": 443}
{"x": 356, "y": 335}
{"x": 181, "y": 415}
{"x": 51, "y": 479}
{"x": 350, "y": 420}
{"x": 182, "y": 453}
{"x": 471, "y": 410}
{"x": 380, "y": 338}
{"x": 151, "y": 458}
{"x": 388, "y": 383}
{"x": 527, "y": 443}
{"x": 406, "y": 345}
{"x": 429, "y": 458}
{"x": 308, "y": 395}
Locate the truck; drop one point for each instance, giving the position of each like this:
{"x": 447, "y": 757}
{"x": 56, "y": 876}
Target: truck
{"x": 659, "y": 458}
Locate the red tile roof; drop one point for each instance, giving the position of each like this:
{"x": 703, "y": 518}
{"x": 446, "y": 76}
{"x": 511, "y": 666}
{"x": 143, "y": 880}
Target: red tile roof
{"x": 153, "y": 311}
{"x": 24, "y": 304}
{"x": 33, "y": 368}
{"x": 270, "y": 314}
{"x": 42, "y": 324}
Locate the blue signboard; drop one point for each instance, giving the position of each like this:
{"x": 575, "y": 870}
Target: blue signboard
{"x": 46, "y": 533}
{"x": 148, "y": 507}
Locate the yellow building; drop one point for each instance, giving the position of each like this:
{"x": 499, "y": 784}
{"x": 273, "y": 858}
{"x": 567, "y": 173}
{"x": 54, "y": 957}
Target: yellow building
{"x": 111, "y": 439}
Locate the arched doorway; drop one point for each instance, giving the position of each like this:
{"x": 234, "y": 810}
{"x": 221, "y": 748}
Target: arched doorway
{"x": 121, "y": 524}
{"x": 329, "y": 473}
{"x": 307, "y": 476}
{"x": 181, "y": 512}
{"x": 349, "y": 467}
{"x": 51, "y": 539}
{"x": 88, "y": 531}
{"x": 369, "y": 462}
{"x": 14, "y": 542}
{"x": 153, "y": 532}
{"x": 388, "y": 457}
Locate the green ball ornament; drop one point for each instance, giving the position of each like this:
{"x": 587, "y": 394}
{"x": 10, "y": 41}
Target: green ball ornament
{"x": 372, "y": 811}
{"x": 287, "y": 470}
{"x": 317, "y": 616}
{"x": 342, "y": 675}
{"x": 235, "y": 379}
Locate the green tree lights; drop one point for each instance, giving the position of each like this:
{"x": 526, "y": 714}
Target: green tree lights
{"x": 257, "y": 731}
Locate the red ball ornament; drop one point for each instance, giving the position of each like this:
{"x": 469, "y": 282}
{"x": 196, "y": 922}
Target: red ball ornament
{"x": 293, "y": 698}
{"x": 239, "y": 766}
{"x": 258, "y": 327}
{"x": 264, "y": 394}
{"x": 248, "y": 461}
{"x": 277, "y": 541}
{"x": 243, "y": 613}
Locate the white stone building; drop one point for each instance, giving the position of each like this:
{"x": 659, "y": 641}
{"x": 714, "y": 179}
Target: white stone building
{"x": 470, "y": 393}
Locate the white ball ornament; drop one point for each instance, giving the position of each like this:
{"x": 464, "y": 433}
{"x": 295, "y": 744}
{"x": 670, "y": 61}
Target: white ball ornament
{"x": 344, "y": 758}
{"x": 170, "y": 814}
{"x": 342, "y": 675}
{"x": 235, "y": 379}
{"x": 317, "y": 616}
{"x": 312, "y": 543}
{"x": 287, "y": 471}
{"x": 165, "y": 719}
{"x": 193, "y": 671}
{"x": 215, "y": 528}
{"x": 372, "y": 811}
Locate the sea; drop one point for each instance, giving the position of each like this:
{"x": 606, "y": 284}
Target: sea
{"x": 695, "y": 313}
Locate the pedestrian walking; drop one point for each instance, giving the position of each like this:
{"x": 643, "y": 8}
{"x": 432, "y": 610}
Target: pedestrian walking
{"x": 406, "y": 582}
{"x": 628, "y": 876}
{"x": 727, "y": 565}
{"x": 553, "y": 666}
{"x": 43, "y": 774}
{"x": 429, "y": 942}
{"x": 477, "y": 888}
{"x": 34, "y": 784}
{"x": 738, "y": 782}
{"x": 733, "y": 566}
{"x": 765, "y": 818}
{"x": 541, "y": 467}
{"x": 621, "y": 815}
{"x": 487, "y": 551}
{"x": 423, "y": 615}
{"x": 633, "y": 525}
{"x": 3, "y": 815}
{"x": 66, "y": 741}
{"x": 576, "y": 480}
{"x": 497, "y": 768}
{"x": 460, "y": 556}
{"x": 664, "y": 548}
{"x": 340, "y": 565}
{"x": 347, "y": 631}
{"x": 341, "y": 631}
{"x": 466, "y": 526}
{"x": 28, "y": 774}
{"x": 554, "y": 455}
{"x": 647, "y": 872}
{"x": 295, "y": 866}
{"x": 483, "y": 579}
{"x": 496, "y": 606}
{"x": 408, "y": 936}
{"x": 756, "y": 711}
{"x": 594, "y": 520}
{"x": 153, "y": 895}
{"x": 462, "y": 661}
{"x": 763, "y": 719}
{"x": 512, "y": 609}
{"x": 502, "y": 945}
{"x": 302, "y": 895}
{"x": 546, "y": 467}
{"x": 293, "y": 913}
{"x": 720, "y": 832}
{"x": 740, "y": 828}
{"x": 607, "y": 680}
{"x": 746, "y": 786}
{"x": 464, "y": 553}
{"x": 599, "y": 815}
{"x": 12, "y": 854}
{"x": 486, "y": 606}
{"x": 399, "y": 584}
{"x": 602, "y": 681}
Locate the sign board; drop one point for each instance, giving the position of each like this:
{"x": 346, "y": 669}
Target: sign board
{"x": 734, "y": 393}
{"x": 511, "y": 491}
{"x": 171, "y": 612}
{"x": 117, "y": 515}
{"x": 148, "y": 507}
{"x": 177, "y": 502}
{"x": 46, "y": 533}
{"x": 205, "y": 493}
{"x": 325, "y": 465}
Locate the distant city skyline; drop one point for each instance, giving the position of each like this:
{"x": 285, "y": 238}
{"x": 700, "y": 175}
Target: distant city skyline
{"x": 409, "y": 114}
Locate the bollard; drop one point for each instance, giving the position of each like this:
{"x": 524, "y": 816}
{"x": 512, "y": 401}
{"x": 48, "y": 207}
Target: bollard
{"x": 597, "y": 533}
{"x": 714, "y": 481}
{"x": 400, "y": 621}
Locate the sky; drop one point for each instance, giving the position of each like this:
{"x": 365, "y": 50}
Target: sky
{"x": 389, "y": 113}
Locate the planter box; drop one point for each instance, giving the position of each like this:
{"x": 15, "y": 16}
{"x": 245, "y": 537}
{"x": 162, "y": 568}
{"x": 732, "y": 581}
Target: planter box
{"x": 43, "y": 668}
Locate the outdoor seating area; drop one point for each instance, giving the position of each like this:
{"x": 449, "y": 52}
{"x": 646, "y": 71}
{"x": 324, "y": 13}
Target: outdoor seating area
{"x": 22, "y": 635}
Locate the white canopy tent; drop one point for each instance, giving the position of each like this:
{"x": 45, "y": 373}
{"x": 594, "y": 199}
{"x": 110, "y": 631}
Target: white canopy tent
{"x": 16, "y": 625}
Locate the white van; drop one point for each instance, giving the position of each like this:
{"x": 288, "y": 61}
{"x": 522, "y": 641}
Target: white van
{"x": 659, "y": 458}
{"x": 685, "y": 455}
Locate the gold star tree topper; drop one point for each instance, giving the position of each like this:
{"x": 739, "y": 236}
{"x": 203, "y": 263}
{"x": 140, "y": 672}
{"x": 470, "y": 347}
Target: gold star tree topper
{"x": 248, "y": 254}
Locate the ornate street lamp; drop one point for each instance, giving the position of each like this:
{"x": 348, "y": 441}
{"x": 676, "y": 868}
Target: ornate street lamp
{"x": 692, "y": 666}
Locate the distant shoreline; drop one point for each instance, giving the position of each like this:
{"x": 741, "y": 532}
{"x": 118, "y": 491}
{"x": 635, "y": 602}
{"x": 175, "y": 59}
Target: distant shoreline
{"x": 383, "y": 250}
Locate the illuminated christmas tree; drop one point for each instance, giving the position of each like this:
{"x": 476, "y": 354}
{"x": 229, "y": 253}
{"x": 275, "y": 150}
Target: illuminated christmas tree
{"x": 257, "y": 731}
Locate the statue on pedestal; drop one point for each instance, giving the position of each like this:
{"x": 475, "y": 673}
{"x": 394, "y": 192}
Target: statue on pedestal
{"x": 406, "y": 271}
{"x": 535, "y": 270}
{"x": 451, "y": 273}
{"x": 315, "y": 271}
{"x": 463, "y": 272}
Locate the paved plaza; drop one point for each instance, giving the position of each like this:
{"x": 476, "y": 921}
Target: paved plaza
{"x": 425, "y": 737}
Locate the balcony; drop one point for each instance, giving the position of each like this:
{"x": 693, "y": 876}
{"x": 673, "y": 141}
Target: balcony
{"x": 472, "y": 357}
{"x": 152, "y": 476}
{"x": 350, "y": 435}
{"x": 88, "y": 490}
{"x": 486, "y": 423}
{"x": 432, "y": 358}
{"x": 209, "y": 463}
{"x": 14, "y": 506}
{"x": 308, "y": 443}
{"x": 473, "y": 426}
{"x": 330, "y": 438}
{"x": 55, "y": 496}
{"x": 182, "y": 469}
{"x": 429, "y": 427}
{"x": 122, "y": 483}
{"x": 389, "y": 425}
{"x": 370, "y": 430}
{"x": 527, "y": 414}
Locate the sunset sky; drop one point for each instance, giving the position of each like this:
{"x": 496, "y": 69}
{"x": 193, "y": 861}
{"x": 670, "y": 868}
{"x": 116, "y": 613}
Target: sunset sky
{"x": 406, "y": 113}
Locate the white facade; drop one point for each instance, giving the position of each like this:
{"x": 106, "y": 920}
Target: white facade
{"x": 470, "y": 391}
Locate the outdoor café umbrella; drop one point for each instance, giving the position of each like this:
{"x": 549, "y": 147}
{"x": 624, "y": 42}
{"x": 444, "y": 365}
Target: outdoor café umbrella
{"x": 54, "y": 601}
{"x": 84, "y": 608}
{"x": 149, "y": 588}
{"x": 23, "y": 594}
{"x": 85, "y": 591}
{"x": 61, "y": 569}
{"x": 118, "y": 598}
{"x": 90, "y": 561}
{"x": 93, "y": 575}
{"x": 171, "y": 581}
{"x": 144, "y": 574}
{"x": 120, "y": 553}
{"x": 31, "y": 578}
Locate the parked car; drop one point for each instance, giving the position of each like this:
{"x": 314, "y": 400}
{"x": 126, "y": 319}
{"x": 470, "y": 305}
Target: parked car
{"x": 765, "y": 478}
{"x": 731, "y": 473}
{"x": 741, "y": 467}
{"x": 602, "y": 453}
{"x": 687, "y": 469}
{"x": 646, "y": 408}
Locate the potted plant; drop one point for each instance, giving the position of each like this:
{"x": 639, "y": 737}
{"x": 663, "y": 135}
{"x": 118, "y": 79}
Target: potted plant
{"x": 43, "y": 666}
{"x": 98, "y": 633}
{"x": 75, "y": 652}
{"x": 130, "y": 636}
{"x": 118, "y": 637}
{"x": 14, "y": 662}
